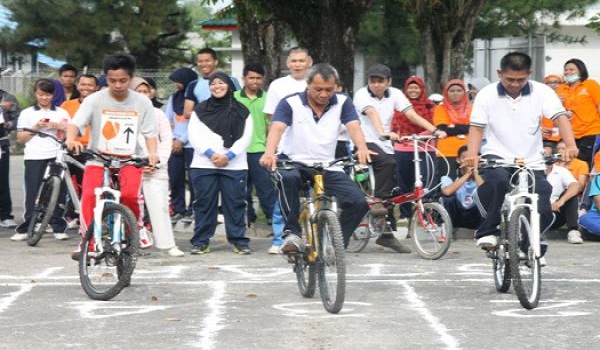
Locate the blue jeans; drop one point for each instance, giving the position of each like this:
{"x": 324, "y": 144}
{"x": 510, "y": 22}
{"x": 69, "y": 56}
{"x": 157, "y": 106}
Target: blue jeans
{"x": 278, "y": 225}
{"x": 208, "y": 184}
{"x": 178, "y": 164}
{"x": 259, "y": 177}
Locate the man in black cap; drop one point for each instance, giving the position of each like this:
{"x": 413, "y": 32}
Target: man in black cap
{"x": 376, "y": 103}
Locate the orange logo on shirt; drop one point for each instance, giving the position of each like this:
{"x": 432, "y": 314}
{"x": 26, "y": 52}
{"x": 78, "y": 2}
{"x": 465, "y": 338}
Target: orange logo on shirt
{"x": 110, "y": 130}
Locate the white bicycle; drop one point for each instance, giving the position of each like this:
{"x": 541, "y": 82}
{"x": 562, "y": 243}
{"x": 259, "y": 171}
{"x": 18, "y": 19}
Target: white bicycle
{"x": 517, "y": 255}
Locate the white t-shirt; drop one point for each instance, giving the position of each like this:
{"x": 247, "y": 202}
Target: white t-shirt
{"x": 280, "y": 88}
{"x": 385, "y": 106}
{"x": 37, "y": 147}
{"x": 560, "y": 178}
{"x": 513, "y": 125}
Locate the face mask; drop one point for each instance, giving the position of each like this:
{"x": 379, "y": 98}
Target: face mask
{"x": 572, "y": 79}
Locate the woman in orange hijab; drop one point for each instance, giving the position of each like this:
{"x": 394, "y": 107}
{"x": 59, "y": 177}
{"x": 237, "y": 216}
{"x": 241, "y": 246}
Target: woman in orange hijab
{"x": 453, "y": 117}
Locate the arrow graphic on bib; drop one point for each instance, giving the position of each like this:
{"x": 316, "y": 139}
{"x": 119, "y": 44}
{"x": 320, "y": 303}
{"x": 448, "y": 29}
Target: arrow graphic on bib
{"x": 127, "y": 133}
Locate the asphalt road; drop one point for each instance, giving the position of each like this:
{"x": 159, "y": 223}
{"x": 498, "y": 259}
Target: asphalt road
{"x": 226, "y": 301}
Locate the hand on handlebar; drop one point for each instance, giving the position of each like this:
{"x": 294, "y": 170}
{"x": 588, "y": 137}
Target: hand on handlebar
{"x": 440, "y": 134}
{"x": 74, "y": 146}
{"x": 269, "y": 161}
{"x": 569, "y": 154}
{"x": 471, "y": 161}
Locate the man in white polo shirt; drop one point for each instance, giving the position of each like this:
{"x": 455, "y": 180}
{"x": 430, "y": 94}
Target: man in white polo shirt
{"x": 376, "y": 103}
{"x": 314, "y": 118}
{"x": 506, "y": 124}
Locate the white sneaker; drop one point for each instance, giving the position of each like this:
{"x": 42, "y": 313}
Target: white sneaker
{"x": 8, "y": 223}
{"x": 18, "y": 237}
{"x": 274, "y": 250}
{"x": 146, "y": 240}
{"x": 175, "y": 252}
{"x": 574, "y": 237}
{"x": 542, "y": 261}
{"x": 61, "y": 236}
{"x": 72, "y": 224}
{"x": 487, "y": 242}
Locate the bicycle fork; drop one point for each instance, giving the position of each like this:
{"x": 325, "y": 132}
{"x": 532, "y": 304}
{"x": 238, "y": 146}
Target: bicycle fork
{"x": 116, "y": 237}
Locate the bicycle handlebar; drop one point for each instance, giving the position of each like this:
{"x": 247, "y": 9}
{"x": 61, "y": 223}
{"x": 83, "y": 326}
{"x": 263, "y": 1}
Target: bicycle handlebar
{"x": 518, "y": 162}
{"x": 288, "y": 163}
{"x": 137, "y": 161}
{"x": 410, "y": 138}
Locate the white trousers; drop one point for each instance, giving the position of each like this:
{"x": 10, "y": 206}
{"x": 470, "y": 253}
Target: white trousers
{"x": 156, "y": 195}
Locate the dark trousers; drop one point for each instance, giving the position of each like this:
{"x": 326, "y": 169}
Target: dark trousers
{"x": 259, "y": 177}
{"x": 461, "y": 217}
{"x": 384, "y": 168}
{"x": 5, "y": 200}
{"x": 208, "y": 184}
{"x": 351, "y": 200}
{"x": 492, "y": 192}
{"x": 34, "y": 175}
{"x": 405, "y": 170}
{"x": 178, "y": 165}
{"x": 586, "y": 149}
{"x": 568, "y": 215}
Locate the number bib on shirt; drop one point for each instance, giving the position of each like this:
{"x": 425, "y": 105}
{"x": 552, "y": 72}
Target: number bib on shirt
{"x": 119, "y": 132}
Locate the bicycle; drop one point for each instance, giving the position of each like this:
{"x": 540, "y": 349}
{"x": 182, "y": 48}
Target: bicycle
{"x": 429, "y": 227}
{"x": 323, "y": 255}
{"x": 108, "y": 251}
{"x": 516, "y": 257}
{"x": 56, "y": 173}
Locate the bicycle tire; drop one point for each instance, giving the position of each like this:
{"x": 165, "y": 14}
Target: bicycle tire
{"x": 501, "y": 265}
{"x": 332, "y": 265}
{"x": 46, "y": 201}
{"x": 431, "y": 231}
{"x": 306, "y": 273}
{"x": 526, "y": 273}
{"x": 360, "y": 237}
{"x": 104, "y": 275}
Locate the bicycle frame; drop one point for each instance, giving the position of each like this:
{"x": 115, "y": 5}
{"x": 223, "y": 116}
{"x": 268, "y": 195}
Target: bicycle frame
{"x": 521, "y": 197}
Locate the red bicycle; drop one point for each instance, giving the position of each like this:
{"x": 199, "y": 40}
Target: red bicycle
{"x": 430, "y": 226}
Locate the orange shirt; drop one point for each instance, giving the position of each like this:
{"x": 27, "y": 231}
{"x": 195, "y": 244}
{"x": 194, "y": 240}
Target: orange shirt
{"x": 548, "y": 123}
{"x": 578, "y": 167}
{"x": 450, "y": 145}
{"x": 72, "y": 106}
{"x": 582, "y": 100}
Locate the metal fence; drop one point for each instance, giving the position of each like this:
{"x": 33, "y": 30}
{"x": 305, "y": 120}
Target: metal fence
{"x": 20, "y": 84}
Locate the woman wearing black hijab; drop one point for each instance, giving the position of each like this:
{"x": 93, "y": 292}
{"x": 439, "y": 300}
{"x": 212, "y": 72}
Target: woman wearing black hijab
{"x": 220, "y": 130}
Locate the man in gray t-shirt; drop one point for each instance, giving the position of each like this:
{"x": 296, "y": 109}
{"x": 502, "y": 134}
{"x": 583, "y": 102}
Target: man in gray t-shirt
{"x": 116, "y": 117}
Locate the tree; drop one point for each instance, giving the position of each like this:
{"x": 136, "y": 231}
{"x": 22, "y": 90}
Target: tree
{"x": 83, "y": 32}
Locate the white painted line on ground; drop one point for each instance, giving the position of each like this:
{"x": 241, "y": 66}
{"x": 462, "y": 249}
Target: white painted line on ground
{"x": 102, "y": 309}
{"x": 314, "y": 309}
{"x": 7, "y": 301}
{"x": 213, "y": 322}
{"x": 419, "y": 305}
{"x": 546, "y": 308}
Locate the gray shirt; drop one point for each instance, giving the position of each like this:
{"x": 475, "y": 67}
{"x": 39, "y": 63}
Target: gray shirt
{"x": 116, "y": 124}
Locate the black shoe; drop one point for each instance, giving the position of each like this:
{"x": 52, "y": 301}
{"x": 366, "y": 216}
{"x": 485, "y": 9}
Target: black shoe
{"x": 242, "y": 250}
{"x": 200, "y": 249}
{"x": 392, "y": 243}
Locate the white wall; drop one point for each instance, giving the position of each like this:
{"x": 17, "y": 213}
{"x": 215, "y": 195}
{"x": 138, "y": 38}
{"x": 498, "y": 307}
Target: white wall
{"x": 558, "y": 53}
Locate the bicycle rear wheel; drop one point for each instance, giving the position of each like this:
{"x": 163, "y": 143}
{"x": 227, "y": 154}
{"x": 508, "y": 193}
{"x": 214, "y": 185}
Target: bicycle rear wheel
{"x": 306, "y": 273}
{"x": 332, "y": 267}
{"x": 524, "y": 266}
{"x": 431, "y": 230}
{"x": 46, "y": 200}
{"x": 104, "y": 274}
{"x": 501, "y": 265}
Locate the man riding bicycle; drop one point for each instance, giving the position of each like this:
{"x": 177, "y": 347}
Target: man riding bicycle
{"x": 314, "y": 118}
{"x": 116, "y": 116}
{"x": 506, "y": 124}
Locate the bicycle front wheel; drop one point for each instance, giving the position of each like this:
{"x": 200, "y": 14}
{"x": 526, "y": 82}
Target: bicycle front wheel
{"x": 47, "y": 198}
{"x": 500, "y": 263}
{"x": 524, "y": 266}
{"x": 105, "y": 272}
{"x": 431, "y": 230}
{"x": 332, "y": 267}
{"x": 306, "y": 273}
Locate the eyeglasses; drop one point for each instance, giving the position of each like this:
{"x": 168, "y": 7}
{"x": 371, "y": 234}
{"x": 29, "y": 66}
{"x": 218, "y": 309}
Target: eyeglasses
{"x": 553, "y": 82}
